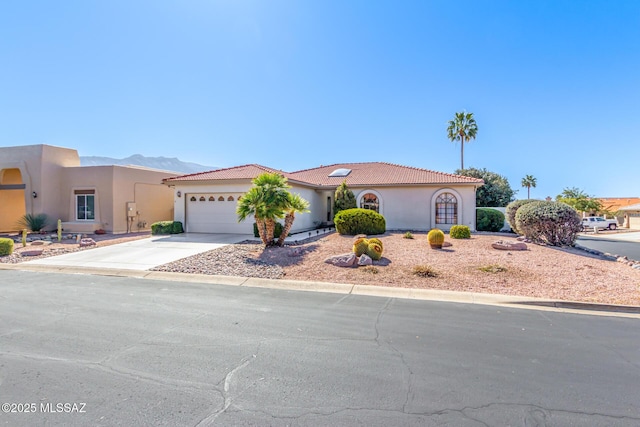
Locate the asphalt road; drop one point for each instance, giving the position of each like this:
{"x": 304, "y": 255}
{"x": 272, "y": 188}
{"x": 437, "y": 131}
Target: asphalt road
{"x": 630, "y": 249}
{"x": 126, "y": 351}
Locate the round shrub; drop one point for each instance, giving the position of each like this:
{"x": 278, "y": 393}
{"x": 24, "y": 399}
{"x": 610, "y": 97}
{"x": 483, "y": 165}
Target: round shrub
{"x": 359, "y": 221}
{"x": 360, "y": 246}
{"x": 512, "y": 208}
{"x": 374, "y": 250}
{"x": 551, "y": 223}
{"x": 435, "y": 237}
{"x": 378, "y": 241}
{"x": 488, "y": 219}
{"x": 460, "y": 232}
{"x": 6, "y": 246}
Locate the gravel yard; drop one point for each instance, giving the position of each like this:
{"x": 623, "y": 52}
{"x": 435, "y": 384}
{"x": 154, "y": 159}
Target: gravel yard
{"x": 470, "y": 265}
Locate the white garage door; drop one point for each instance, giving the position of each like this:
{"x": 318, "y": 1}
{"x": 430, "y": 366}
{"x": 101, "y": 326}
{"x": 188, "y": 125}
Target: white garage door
{"x": 634, "y": 221}
{"x": 215, "y": 213}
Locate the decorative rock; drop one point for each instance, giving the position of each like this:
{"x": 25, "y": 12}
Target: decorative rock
{"x": 344, "y": 260}
{"x": 622, "y": 259}
{"x": 40, "y": 243}
{"x": 637, "y": 266}
{"x": 32, "y": 252}
{"x": 505, "y": 245}
{"x": 87, "y": 242}
{"x": 359, "y": 236}
{"x": 365, "y": 260}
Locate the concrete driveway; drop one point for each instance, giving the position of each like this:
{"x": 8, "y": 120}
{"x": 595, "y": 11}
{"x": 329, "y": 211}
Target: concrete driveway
{"x": 144, "y": 254}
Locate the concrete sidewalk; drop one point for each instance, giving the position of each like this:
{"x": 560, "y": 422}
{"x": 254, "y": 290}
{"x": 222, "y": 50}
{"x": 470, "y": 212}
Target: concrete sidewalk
{"x": 143, "y": 254}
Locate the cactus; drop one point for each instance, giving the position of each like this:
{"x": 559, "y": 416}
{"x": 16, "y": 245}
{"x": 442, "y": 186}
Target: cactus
{"x": 24, "y": 237}
{"x": 360, "y": 246}
{"x": 435, "y": 238}
{"x": 374, "y": 250}
{"x": 378, "y": 241}
{"x": 59, "y": 230}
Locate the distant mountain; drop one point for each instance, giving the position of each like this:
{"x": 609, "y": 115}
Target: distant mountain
{"x": 165, "y": 163}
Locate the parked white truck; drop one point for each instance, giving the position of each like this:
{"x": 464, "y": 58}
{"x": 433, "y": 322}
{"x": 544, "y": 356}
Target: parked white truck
{"x": 590, "y": 222}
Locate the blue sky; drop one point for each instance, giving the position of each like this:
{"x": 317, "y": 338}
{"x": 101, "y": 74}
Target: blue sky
{"x": 554, "y": 85}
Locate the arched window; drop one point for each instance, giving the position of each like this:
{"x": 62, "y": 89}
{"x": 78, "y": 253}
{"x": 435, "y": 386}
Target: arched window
{"x": 370, "y": 201}
{"x": 446, "y": 209}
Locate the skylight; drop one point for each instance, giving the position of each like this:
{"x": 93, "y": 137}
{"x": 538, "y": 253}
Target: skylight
{"x": 340, "y": 172}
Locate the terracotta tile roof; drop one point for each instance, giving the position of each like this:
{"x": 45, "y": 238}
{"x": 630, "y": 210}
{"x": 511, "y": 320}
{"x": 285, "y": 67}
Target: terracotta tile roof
{"x": 379, "y": 173}
{"x": 237, "y": 172}
{"x": 635, "y": 207}
{"x": 613, "y": 204}
{"x": 362, "y": 174}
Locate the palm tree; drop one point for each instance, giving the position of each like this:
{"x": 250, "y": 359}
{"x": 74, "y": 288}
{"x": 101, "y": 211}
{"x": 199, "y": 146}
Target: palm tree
{"x": 529, "y": 181}
{"x": 267, "y": 201}
{"x": 462, "y": 128}
{"x": 296, "y": 204}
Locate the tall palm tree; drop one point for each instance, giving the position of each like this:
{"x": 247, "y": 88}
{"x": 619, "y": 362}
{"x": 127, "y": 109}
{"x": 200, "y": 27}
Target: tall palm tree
{"x": 296, "y": 204}
{"x": 462, "y": 128}
{"x": 267, "y": 201}
{"x": 529, "y": 181}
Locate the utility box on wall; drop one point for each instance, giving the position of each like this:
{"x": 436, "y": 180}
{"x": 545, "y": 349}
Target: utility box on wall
{"x": 131, "y": 209}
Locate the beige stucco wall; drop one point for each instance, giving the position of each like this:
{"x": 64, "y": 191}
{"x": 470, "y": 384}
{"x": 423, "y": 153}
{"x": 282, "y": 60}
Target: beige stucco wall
{"x": 39, "y": 168}
{"x": 114, "y": 187}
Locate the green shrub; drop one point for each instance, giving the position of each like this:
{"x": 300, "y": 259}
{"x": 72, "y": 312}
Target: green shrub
{"x": 276, "y": 232}
{"x": 512, "y": 209}
{"x": 435, "y": 237}
{"x": 551, "y": 223}
{"x": 492, "y": 268}
{"x": 167, "y": 227}
{"x": 360, "y": 246}
{"x": 359, "y": 221}
{"x": 460, "y": 232}
{"x": 407, "y": 235}
{"x": 488, "y": 219}
{"x": 374, "y": 251}
{"x": 34, "y": 223}
{"x": 6, "y": 246}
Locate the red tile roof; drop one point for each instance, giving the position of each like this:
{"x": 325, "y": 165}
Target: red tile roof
{"x": 379, "y": 173}
{"x": 237, "y": 172}
{"x": 362, "y": 174}
{"x": 613, "y": 204}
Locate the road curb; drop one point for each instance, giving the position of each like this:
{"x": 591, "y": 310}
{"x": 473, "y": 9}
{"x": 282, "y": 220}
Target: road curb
{"x": 347, "y": 289}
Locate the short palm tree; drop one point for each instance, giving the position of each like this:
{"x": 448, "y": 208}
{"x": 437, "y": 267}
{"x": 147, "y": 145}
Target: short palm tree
{"x": 529, "y": 181}
{"x": 462, "y": 128}
{"x": 267, "y": 201}
{"x": 296, "y": 204}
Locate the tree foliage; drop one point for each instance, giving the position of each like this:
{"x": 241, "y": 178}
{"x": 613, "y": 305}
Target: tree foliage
{"x": 496, "y": 191}
{"x": 268, "y": 200}
{"x": 343, "y": 198}
{"x": 462, "y": 128}
{"x": 579, "y": 200}
{"x": 529, "y": 181}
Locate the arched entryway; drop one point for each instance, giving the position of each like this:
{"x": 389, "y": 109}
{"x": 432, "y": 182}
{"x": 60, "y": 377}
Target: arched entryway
{"x": 12, "y": 198}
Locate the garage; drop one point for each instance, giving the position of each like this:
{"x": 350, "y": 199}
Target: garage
{"x": 214, "y": 213}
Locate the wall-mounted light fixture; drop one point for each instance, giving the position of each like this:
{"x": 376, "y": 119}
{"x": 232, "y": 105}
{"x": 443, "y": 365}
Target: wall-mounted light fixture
{"x": 179, "y": 193}
{"x": 34, "y": 194}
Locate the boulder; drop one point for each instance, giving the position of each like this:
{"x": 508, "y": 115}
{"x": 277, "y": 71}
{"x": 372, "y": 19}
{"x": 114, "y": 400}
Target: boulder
{"x": 32, "y": 252}
{"x": 506, "y": 245}
{"x": 87, "y": 242}
{"x": 344, "y": 260}
{"x": 365, "y": 260}
{"x": 40, "y": 243}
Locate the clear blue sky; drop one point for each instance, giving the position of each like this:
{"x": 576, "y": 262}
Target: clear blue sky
{"x": 554, "y": 85}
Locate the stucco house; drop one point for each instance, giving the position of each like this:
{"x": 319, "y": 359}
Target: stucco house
{"x": 409, "y": 198}
{"x": 46, "y": 179}
{"x": 631, "y": 216}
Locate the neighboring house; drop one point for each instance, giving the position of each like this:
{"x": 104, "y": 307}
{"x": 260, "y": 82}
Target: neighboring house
{"x": 614, "y": 205}
{"x": 631, "y": 216}
{"x": 409, "y": 198}
{"x": 38, "y": 179}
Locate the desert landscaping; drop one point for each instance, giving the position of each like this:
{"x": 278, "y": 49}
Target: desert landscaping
{"x": 469, "y": 265}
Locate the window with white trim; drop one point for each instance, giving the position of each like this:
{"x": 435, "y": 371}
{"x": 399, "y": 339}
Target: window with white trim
{"x": 85, "y": 205}
{"x": 446, "y": 209}
{"x": 370, "y": 201}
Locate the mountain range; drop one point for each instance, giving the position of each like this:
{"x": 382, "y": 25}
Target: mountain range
{"x": 171, "y": 164}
